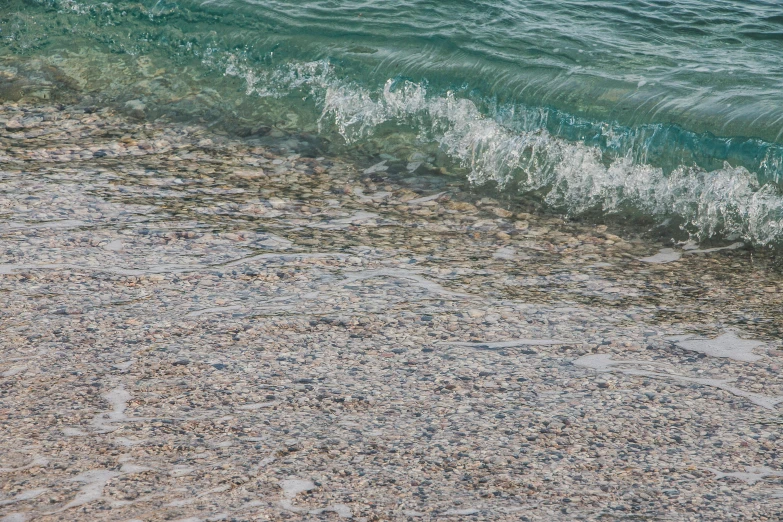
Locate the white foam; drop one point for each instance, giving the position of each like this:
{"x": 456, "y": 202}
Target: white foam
{"x": 63, "y": 223}
{"x": 510, "y": 344}
{"x": 342, "y": 511}
{"x": 765, "y": 401}
{"x": 378, "y": 167}
{"x": 369, "y": 198}
{"x": 134, "y": 468}
{"x": 666, "y": 255}
{"x": 277, "y": 242}
{"x": 94, "y": 482}
{"x": 399, "y": 273}
{"x": 128, "y": 443}
{"x": 38, "y": 461}
{"x": 506, "y": 252}
{"x": 155, "y": 269}
{"x": 180, "y": 470}
{"x": 679, "y": 337}
{"x": 669, "y": 255}
{"x": 15, "y": 517}
{"x": 266, "y": 461}
{"x": 258, "y": 405}
{"x": 727, "y": 200}
{"x": 24, "y": 495}
{"x": 425, "y": 199}
{"x": 117, "y": 399}
{"x": 292, "y": 487}
{"x": 604, "y": 363}
{"x": 213, "y": 310}
{"x": 165, "y": 269}
{"x": 357, "y": 219}
{"x": 14, "y": 370}
{"x": 183, "y": 502}
{"x": 733, "y": 246}
{"x": 281, "y": 257}
{"x": 751, "y": 475}
{"x": 459, "y": 512}
{"x": 186, "y": 501}
{"x": 124, "y": 365}
{"x": 113, "y": 246}
{"x": 727, "y": 345}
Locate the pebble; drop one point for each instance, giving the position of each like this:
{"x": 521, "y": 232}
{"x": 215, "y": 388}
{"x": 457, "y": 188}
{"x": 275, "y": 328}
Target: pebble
{"x": 189, "y": 342}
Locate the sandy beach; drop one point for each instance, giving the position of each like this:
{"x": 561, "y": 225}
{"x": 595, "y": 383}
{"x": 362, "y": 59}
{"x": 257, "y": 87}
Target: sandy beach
{"x": 198, "y": 328}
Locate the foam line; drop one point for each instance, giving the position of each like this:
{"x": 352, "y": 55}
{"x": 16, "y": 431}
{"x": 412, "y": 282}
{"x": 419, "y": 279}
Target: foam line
{"x": 605, "y": 363}
{"x": 511, "y": 344}
{"x": 398, "y": 273}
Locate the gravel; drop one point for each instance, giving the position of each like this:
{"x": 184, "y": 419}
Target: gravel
{"x": 197, "y": 327}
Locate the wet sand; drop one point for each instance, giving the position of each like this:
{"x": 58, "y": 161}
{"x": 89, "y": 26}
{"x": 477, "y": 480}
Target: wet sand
{"x": 197, "y": 327}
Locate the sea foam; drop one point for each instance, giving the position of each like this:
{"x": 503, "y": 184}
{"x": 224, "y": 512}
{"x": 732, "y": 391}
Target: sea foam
{"x": 728, "y": 201}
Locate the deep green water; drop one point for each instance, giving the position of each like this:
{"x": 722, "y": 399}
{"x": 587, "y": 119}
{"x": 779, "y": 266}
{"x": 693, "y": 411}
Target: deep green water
{"x": 672, "y": 109}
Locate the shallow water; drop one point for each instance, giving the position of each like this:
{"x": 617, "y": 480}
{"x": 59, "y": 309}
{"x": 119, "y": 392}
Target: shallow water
{"x": 670, "y": 111}
{"x": 203, "y": 327}
{"x": 274, "y": 259}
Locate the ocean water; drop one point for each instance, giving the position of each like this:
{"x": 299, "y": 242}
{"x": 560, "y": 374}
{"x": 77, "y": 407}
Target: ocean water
{"x": 672, "y": 110}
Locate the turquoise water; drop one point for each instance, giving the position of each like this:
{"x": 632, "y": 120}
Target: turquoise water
{"x": 672, "y": 109}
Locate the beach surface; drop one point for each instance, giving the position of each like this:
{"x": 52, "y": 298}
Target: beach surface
{"x": 197, "y": 327}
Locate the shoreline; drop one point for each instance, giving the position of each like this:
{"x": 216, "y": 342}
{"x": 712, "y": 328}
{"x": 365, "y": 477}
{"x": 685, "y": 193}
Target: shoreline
{"x": 200, "y": 327}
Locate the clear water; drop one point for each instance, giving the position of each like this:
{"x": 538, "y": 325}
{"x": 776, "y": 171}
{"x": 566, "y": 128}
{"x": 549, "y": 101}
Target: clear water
{"x": 671, "y": 109}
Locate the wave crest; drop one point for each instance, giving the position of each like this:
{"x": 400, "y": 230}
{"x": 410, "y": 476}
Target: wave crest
{"x": 728, "y": 201}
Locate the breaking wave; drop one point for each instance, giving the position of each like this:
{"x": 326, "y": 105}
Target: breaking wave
{"x": 688, "y": 132}
{"x": 516, "y": 148}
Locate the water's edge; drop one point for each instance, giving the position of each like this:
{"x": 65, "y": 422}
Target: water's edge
{"x": 172, "y": 62}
